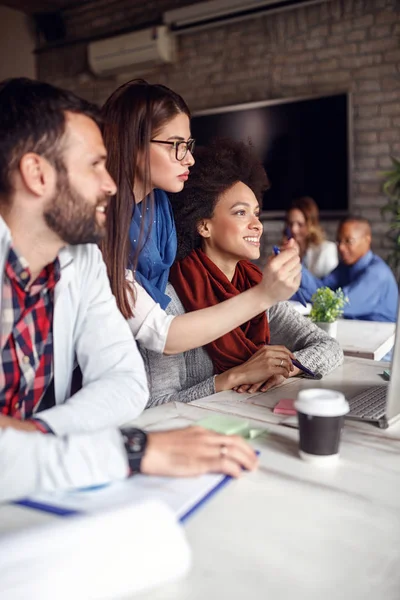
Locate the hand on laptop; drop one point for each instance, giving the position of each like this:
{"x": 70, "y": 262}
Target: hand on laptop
{"x": 194, "y": 451}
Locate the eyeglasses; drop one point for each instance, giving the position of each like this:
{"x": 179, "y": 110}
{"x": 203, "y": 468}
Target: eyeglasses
{"x": 181, "y": 147}
{"x": 348, "y": 241}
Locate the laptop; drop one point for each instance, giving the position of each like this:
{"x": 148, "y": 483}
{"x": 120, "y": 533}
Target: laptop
{"x": 380, "y": 404}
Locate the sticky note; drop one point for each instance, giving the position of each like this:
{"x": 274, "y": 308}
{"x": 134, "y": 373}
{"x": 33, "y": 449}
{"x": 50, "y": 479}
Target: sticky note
{"x": 285, "y": 406}
{"x": 230, "y": 426}
{"x": 224, "y": 424}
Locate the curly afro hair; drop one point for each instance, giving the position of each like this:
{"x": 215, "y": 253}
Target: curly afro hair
{"x": 217, "y": 168}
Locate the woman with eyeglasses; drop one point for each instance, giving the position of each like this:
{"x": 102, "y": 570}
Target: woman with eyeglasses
{"x": 146, "y": 129}
{"x": 219, "y": 233}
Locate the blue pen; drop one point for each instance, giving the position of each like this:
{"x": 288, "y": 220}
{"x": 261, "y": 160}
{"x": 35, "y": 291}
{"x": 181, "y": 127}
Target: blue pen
{"x": 299, "y": 294}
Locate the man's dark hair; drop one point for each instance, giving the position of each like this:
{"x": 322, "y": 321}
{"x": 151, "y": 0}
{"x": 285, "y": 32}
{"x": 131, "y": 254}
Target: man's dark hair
{"x": 353, "y": 218}
{"x": 32, "y": 119}
{"x": 217, "y": 168}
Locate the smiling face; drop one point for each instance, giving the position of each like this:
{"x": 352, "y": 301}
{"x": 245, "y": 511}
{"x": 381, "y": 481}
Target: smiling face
{"x": 166, "y": 172}
{"x": 76, "y": 211}
{"x": 233, "y": 233}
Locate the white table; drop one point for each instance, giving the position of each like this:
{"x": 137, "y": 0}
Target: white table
{"x": 291, "y": 530}
{"x": 294, "y": 531}
{"x": 366, "y": 339}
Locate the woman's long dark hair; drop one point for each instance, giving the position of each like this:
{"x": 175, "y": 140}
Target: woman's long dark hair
{"x": 131, "y": 116}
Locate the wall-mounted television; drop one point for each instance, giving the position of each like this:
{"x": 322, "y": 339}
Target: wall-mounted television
{"x": 303, "y": 143}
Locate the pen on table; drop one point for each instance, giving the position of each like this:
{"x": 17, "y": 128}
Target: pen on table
{"x": 299, "y": 294}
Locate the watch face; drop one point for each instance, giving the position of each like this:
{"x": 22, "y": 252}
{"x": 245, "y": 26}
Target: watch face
{"x": 135, "y": 440}
{"x": 135, "y": 444}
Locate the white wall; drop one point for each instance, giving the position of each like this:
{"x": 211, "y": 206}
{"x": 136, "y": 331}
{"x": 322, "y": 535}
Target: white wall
{"x": 17, "y": 43}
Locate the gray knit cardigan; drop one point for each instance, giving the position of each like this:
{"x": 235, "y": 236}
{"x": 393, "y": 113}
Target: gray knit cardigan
{"x": 189, "y": 376}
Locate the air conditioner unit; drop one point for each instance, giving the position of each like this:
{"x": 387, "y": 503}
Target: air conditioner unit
{"x": 217, "y": 12}
{"x": 136, "y": 51}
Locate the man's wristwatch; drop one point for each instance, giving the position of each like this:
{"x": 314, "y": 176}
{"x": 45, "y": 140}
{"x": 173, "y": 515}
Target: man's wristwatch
{"x": 135, "y": 441}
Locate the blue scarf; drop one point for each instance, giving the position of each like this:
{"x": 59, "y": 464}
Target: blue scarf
{"x": 159, "y": 251}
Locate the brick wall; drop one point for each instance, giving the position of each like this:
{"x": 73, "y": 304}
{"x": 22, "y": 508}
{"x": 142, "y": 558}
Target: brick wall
{"x": 341, "y": 45}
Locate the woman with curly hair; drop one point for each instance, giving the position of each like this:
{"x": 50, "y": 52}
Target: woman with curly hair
{"x": 319, "y": 255}
{"x": 219, "y": 231}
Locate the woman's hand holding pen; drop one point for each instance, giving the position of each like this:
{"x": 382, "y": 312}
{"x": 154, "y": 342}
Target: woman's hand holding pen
{"x": 277, "y": 251}
{"x": 282, "y": 274}
{"x": 293, "y": 244}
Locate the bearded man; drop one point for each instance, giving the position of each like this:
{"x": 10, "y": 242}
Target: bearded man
{"x": 56, "y": 305}
{"x": 57, "y": 311}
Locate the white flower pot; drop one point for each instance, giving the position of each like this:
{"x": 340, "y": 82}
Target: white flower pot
{"x": 330, "y": 328}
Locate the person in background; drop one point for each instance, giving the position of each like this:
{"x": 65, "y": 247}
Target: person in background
{"x": 364, "y": 277}
{"x": 302, "y": 223}
{"x": 219, "y": 231}
{"x": 146, "y": 129}
{"x": 56, "y": 307}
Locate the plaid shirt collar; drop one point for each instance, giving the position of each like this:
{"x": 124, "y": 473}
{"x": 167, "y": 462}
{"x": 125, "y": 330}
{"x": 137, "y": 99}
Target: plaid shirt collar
{"x": 17, "y": 269}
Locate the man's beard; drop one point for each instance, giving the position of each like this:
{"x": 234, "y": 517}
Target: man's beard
{"x": 70, "y": 215}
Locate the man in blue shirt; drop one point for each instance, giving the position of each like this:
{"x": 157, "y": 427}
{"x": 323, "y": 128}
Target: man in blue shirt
{"x": 364, "y": 277}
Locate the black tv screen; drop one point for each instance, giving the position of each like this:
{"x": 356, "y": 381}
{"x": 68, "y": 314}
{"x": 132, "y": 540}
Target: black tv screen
{"x": 303, "y": 144}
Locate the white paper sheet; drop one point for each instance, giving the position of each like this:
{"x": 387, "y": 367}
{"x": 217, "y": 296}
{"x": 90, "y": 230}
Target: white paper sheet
{"x": 96, "y": 557}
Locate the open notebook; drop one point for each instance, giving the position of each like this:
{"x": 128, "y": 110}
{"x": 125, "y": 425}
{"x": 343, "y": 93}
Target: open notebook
{"x": 183, "y": 495}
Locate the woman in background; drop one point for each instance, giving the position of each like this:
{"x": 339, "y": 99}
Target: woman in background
{"x": 302, "y": 223}
{"x": 146, "y": 130}
{"x": 219, "y": 231}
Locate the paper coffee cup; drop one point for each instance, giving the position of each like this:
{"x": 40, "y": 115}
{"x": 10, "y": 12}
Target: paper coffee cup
{"x": 321, "y": 417}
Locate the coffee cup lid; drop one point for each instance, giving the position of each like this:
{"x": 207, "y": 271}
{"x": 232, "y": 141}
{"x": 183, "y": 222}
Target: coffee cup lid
{"x": 319, "y": 402}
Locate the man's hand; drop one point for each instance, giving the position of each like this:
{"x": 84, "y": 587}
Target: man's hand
{"x": 266, "y": 362}
{"x": 282, "y": 274}
{"x": 16, "y": 424}
{"x": 194, "y": 451}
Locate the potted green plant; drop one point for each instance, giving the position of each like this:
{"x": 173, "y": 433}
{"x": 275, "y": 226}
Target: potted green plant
{"x": 327, "y": 307}
{"x": 391, "y": 188}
